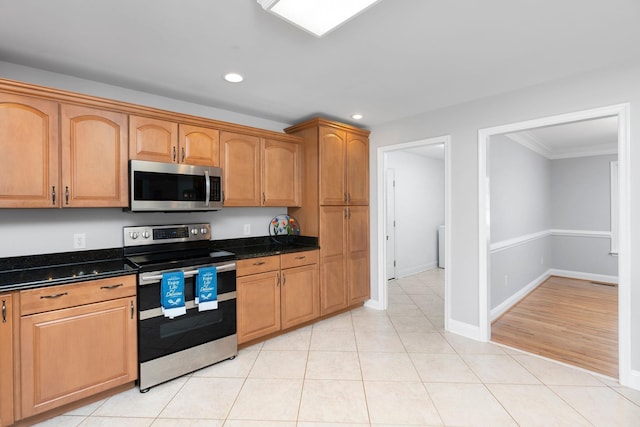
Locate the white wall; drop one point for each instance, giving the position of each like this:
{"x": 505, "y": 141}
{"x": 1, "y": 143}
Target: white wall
{"x": 462, "y": 122}
{"x": 34, "y": 231}
{"x": 419, "y": 196}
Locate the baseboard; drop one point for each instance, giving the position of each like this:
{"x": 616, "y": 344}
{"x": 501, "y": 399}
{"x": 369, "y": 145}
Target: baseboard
{"x": 584, "y": 276}
{"x": 464, "y": 329}
{"x": 515, "y": 298}
{"x": 633, "y": 380}
{"x": 417, "y": 269}
{"x": 374, "y": 303}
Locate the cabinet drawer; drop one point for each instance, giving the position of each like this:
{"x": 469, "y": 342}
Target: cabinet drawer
{"x": 245, "y": 267}
{"x": 63, "y": 296}
{"x": 297, "y": 259}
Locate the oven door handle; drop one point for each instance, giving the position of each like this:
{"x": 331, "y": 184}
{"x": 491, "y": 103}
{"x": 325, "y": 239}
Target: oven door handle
{"x": 189, "y": 273}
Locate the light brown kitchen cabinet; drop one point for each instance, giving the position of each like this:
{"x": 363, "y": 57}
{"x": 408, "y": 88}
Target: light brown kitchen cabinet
{"x": 6, "y": 360}
{"x": 94, "y": 148}
{"x": 259, "y": 171}
{"x": 153, "y": 139}
{"x": 29, "y": 167}
{"x": 85, "y": 345}
{"x": 335, "y": 208}
{"x": 198, "y": 145}
{"x": 276, "y": 293}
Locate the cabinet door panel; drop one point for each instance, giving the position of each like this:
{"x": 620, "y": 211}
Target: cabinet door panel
{"x": 300, "y": 295}
{"x": 240, "y": 159}
{"x": 29, "y": 162}
{"x": 357, "y": 170}
{"x": 333, "y": 258}
{"x": 76, "y": 352}
{"x": 258, "y": 305}
{"x": 281, "y": 173}
{"x": 332, "y": 166}
{"x": 358, "y": 254}
{"x": 152, "y": 139}
{"x": 199, "y": 146}
{"x": 6, "y": 360}
{"x": 94, "y": 157}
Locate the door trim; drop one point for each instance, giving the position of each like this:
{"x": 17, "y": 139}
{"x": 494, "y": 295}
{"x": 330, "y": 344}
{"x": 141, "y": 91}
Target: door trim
{"x": 622, "y": 111}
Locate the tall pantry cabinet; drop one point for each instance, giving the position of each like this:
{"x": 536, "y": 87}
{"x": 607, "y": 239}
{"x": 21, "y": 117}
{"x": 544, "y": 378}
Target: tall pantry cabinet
{"x": 335, "y": 208}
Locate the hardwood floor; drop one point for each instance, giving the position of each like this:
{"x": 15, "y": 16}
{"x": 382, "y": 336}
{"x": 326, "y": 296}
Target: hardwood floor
{"x": 573, "y": 321}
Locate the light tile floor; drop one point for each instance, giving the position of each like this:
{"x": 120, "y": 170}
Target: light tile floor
{"x": 375, "y": 368}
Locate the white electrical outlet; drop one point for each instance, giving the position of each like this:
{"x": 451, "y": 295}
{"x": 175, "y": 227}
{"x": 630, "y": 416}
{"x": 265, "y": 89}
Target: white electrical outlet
{"x": 247, "y": 229}
{"x": 79, "y": 241}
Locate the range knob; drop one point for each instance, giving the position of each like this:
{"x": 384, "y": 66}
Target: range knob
{"x": 133, "y": 235}
{"x": 203, "y": 230}
{"x": 194, "y": 231}
{"x": 146, "y": 234}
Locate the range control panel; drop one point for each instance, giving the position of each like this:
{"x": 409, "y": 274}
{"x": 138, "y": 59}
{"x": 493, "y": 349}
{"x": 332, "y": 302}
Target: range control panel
{"x": 154, "y": 234}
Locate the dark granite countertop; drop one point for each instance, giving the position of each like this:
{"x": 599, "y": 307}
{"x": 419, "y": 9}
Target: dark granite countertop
{"x": 36, "y": 271}
{"x": 252, "y": 247}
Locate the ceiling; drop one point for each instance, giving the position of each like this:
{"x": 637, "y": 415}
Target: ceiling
{"x": 397, "y": 59}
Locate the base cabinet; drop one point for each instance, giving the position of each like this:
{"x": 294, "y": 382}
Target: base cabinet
{"x": 77, "y": 351}
{"x": 276, "y": 293}
{"x": 6, "y": 360}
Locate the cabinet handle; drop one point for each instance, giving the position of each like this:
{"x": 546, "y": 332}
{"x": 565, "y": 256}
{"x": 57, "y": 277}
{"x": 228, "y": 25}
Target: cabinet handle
{"x": 66, "y": 194}
{"x": 284, "y": 279}
{"x": 4, "y": 311}
{"x": 132, "y": 309}
{"x": 259, "y": 263}
{"x": 53, "y": 296}
{"x": 278, "y": 282}
{"x": 349, "y": 211}
{"x": 264, "y": 199}
{"x": 182, "y": 155}
{"x": 301, "y": 257}
{"x": 345, "y": 213}
{"x": 111, "y": 286}
{"x": 53, "y": 195}
{"x": 345, "y": 197}
{"x": 174, "y": 153}
{"x": 348, "y": 197}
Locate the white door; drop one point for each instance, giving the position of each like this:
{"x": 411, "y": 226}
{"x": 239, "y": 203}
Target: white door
{"x": 390, "y": 206}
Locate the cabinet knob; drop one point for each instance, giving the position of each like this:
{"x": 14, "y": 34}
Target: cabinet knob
{"x": 174, "y": 153}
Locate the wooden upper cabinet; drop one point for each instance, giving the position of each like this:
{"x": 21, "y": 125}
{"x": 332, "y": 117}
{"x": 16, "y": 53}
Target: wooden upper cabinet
{"x": 333, "y": 189}
{"x": 153, "y": 139}
{"x": 94, "y": 157}
{"x": 240, "y": 161}
{"x": 198, "y": 145}
{"x": 29, "y": 162}
{"x": 357, "y": 170}
{"x": 281, "y": 173}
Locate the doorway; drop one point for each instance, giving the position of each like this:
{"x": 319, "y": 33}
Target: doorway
{"x": 385, "y": 224}
{"x": 621, "y": 113}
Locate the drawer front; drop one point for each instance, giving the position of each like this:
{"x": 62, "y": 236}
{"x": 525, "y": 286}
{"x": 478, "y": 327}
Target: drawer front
{"x": 298, "y": 259}
{"x": 74, "y": 294}
{"x": 245, "y": 267}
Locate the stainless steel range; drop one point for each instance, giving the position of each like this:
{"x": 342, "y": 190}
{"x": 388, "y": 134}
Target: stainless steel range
{"x": 171, "y": 347}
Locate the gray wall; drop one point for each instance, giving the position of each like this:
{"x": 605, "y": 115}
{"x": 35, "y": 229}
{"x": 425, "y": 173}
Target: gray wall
{"x": 575, "y": 93}
{"x": 419, "y": 210}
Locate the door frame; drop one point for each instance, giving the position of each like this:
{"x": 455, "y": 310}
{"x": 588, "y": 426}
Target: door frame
{"x": 390, "y": 210}
{"x": 382, "y": 219}
{"x": 622, "y": 112}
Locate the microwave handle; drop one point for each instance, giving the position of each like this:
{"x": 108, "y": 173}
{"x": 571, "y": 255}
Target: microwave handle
{"x": 207, "y": 186}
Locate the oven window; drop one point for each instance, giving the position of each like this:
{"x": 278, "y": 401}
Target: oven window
{"x": 160, "y": 336}
{"x": 155, "y": 186}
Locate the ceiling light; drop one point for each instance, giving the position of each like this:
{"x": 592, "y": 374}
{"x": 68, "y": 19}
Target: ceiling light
{"x": 233, "y": 77}
{"x": 316, "y": 16}
{"x": 357, "y": 116}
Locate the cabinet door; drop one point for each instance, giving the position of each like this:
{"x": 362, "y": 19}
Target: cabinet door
{"x": 332, "y": 171}
{"x": 357, "y": 170}
{"x": 358, "y": 254}
{"x": 240, "y": 159}
{"x": 153, "y": 139}
{"x": 199, "y": 146}
{"x": 333, "y": 258}
{"x": 258, "y": 305}
{"x": 6, "y": 360}
{"x": 300, "y": 295}
{"x": 29, "y": 162}
{"x": 281, "y": 173}
{"x": 76, "y": 352}
{"x": 94, "y": 157}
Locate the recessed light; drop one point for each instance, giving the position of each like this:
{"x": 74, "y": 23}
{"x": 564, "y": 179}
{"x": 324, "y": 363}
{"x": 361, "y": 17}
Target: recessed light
{"x": 357, "y": 116}
{"x": 233, "y": 77}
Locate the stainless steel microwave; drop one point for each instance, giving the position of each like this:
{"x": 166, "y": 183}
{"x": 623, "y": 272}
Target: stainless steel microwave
{"x": 171, "y": 187}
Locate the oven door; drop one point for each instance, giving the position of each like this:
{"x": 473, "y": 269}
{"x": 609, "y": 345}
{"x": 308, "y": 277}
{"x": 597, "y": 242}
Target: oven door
{"x": 160, "y": 336}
